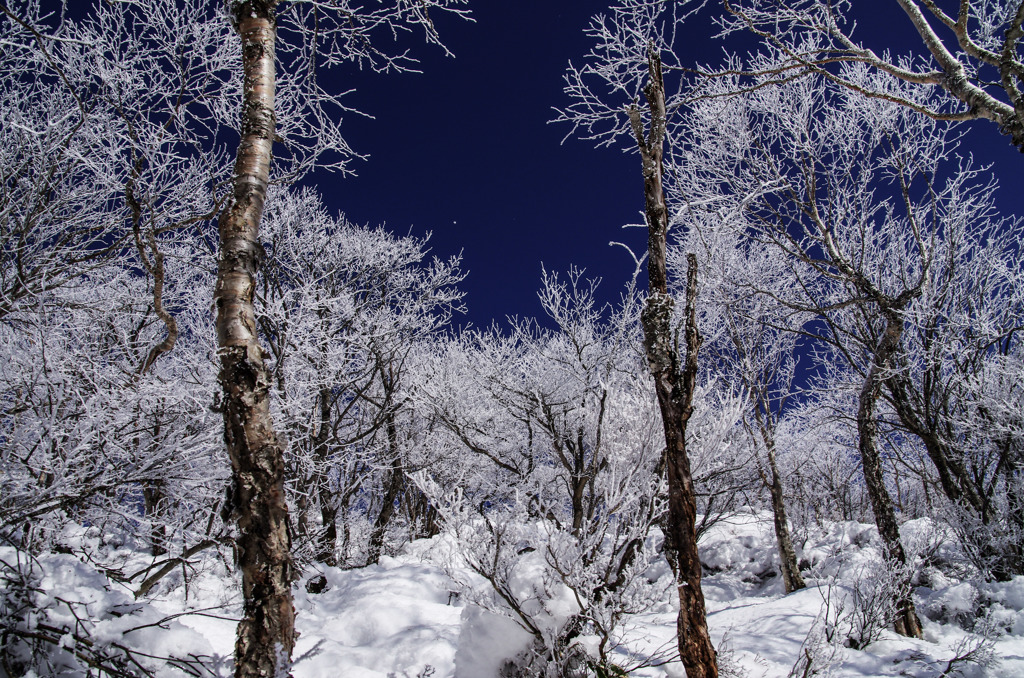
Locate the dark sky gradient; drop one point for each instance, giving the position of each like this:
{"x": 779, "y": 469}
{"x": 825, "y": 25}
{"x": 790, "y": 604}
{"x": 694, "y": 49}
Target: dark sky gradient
{"x": 464, "y": 150}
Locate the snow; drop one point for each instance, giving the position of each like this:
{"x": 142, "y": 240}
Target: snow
{"x": 403, "y": 617}
{"x": 486, "y": 640}
{"x": 381, "y": 619}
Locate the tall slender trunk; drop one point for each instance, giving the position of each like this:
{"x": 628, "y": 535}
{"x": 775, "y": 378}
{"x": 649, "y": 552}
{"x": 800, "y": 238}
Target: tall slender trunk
{"x": 906, "y": 622}
{"x": 327, "y": 541}
{"x": 791, "y": 577}
{"x": 674, "y": 385}
{"x": 394, "y": 481}
{"x": 266, "y": 633}
{"x": 153, "y": 497}
{"x": 792, "y": 580}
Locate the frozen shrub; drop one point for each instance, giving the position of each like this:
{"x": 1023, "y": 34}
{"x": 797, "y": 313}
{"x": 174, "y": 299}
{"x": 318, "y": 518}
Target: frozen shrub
{"x": 59, "y": 617}
{"x": 856, "y": 614}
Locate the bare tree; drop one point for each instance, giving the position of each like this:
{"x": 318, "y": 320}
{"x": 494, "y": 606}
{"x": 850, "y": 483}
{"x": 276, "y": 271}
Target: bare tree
{"x": 90, "y": 167}
{"x": 628, "y": 59}
{"x": 341, "y": 307}
{"x": 848, "y": 190}
{"x": 755, "y": 351}
{"x": 973, "y": 54}
{"x": 556, "y": 439}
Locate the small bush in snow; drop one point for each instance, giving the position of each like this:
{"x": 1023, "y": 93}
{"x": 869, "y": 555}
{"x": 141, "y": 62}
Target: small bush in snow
{"x": 855, "y": 615}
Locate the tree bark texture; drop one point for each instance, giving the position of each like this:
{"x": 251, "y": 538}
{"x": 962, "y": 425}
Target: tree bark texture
{"x": 792, "y": 580}
{"x": 327, "y": 541}
{"x": 674, "y": 385}
{"x": 393, "y": 482}
{"x": 906, "y": 622}
{"x": 266, "y": 633}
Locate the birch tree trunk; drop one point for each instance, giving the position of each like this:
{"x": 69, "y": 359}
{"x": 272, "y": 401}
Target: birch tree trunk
{"x": 674, "y": 386}
{"x": 266, "y": 633}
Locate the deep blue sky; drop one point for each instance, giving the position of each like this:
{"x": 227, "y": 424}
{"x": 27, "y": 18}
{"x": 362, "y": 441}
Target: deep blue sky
{"x": 464, "y": 150}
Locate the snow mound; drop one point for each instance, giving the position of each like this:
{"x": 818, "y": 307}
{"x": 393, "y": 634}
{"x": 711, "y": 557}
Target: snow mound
{"x": 392, "y": 618}
{"x": 75, "y": 617}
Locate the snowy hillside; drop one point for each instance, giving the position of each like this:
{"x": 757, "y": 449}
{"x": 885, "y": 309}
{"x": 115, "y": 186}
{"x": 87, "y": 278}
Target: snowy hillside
{"x": 407, "y": 618}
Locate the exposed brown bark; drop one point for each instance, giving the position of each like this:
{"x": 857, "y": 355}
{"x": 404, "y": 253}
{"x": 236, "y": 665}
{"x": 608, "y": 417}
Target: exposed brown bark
{"x": 674, "y": 385}
{"x": 970, "y": 492}
{"x": 906, "y": 622}
{"x": 266, "y": 633}
{"x": 792, "y": 580}
{"x": 394, "y": 480}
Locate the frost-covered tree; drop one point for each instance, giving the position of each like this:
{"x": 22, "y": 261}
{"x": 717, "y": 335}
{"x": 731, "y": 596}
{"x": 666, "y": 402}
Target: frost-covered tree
{"x": 99, "y": 196}
{"x": 312, "y": 34}
{"x": 556, "y": 471}
{"x": 341, "y": 307}
{"x": 626, "y": 65}
{"x": 857, "y": 195}
{"x": 964, "y": 334}
{"x": 553, "y": 446}
{"x": 970, "y": 51}
{"x": 168, "y": 87}
{"x": 90, "y": 440}
{"x": 755, "y": 350}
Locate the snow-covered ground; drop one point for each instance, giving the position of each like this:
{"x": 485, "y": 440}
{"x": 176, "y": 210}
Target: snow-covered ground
{"x": 404, "y": 617}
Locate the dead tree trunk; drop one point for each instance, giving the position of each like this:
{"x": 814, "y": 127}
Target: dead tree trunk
{"x": 906, "y": 622}
{"x": 674, "y": 385}
{"x": 266, "y": 633}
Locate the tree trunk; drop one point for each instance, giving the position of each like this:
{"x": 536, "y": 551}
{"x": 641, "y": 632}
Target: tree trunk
{"x": 153, "y": 496}
{"x": 394, "y": 480}
{"x": 791, "y": 578}
{"x": 327, "y": 540}
{"x": 1012, "y": 562}
{"x": 674, "y": 386}
{"x": 266, "y": 633}
{"x": 423, "y": 518}
{"x": 906, "y": 623}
